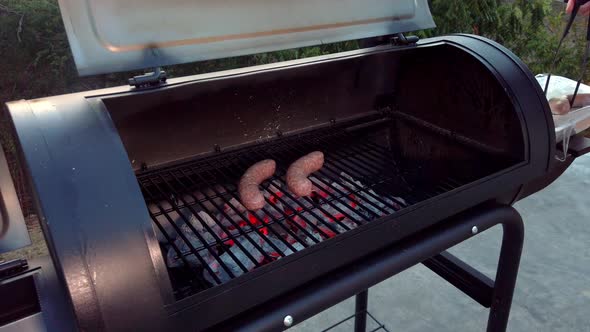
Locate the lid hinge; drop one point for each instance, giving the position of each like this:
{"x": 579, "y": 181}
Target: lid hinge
{"x": 151, "y": 79}
{"x": 400, "y": 39}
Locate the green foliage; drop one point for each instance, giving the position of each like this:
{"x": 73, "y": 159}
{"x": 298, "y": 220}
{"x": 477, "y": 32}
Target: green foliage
{"x": 259, "y": 59}
{"x": 32, "y": 40}
{"x": 467, "y": 16}
{"x": 530, "y": 28}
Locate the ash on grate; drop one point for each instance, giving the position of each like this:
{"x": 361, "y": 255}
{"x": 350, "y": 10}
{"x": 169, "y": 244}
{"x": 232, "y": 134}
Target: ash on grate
{"x": 222, "y": 231}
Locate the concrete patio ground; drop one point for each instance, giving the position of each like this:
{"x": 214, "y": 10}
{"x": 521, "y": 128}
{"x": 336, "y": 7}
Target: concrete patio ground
{"x": 553, "y": 288}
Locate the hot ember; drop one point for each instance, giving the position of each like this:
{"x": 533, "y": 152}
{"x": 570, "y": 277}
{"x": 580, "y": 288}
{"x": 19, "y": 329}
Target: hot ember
{"x": 231, "y": 240}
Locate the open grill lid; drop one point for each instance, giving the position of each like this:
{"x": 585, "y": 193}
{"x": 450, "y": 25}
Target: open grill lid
{"x": 113, "y": 35}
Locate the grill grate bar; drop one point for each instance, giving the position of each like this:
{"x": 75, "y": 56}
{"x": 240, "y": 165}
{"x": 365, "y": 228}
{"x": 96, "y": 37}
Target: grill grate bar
{"x": 355, "y": 186}
{"x": 331, "y": 166}
{"x": 322, "y": 174}
{"x": 260, "y": 228}
{"x": 355, "y": 165}
{"x": 289, "y": 218}
{"x": 194, "y": 231}
{"x": 238, "y": 227}
{"x": 350, "y": 158}
{"x": 342, "y": 194}
{"x": 234, "y": 192}
{"x": 334, "y": 167}
{"x": 220, "y": 224}
{"x": 378, "y": 153}
{"x": 183, "y": 237}
{"x": 172, "y": 209}
{"x": 295, "y": 209}
{"x": 275, "y": 221}
{"x": 204, "y": 224}
{"x": 179, "y": 254}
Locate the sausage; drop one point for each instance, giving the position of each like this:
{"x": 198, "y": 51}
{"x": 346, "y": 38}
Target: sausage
{"x": 298, "y": 172}
{"x": 559, "y": 106}
{"x": 251, "y": 197}
{"x": 582, "y": 99}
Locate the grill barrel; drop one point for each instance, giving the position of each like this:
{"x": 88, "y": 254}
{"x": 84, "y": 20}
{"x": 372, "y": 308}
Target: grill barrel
{"x": 429, "y": 131}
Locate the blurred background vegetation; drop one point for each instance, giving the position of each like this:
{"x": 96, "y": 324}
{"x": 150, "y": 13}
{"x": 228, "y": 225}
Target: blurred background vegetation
{"x": 35, "y": 59}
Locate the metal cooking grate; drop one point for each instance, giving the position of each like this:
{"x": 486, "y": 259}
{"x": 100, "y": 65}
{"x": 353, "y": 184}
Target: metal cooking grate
{"x": 210, "y": 239}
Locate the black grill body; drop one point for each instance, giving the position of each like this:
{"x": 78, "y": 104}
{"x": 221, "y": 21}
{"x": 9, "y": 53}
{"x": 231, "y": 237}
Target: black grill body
{"x": 444, "y": 125}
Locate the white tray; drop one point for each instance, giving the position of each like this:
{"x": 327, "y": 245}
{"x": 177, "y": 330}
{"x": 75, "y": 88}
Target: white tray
{"x": 576, "y": 120}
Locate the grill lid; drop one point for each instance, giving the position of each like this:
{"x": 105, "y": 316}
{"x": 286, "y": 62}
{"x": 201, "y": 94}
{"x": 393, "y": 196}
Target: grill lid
{"x": 114, "y": 35}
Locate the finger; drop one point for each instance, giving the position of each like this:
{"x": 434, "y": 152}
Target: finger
{"x": 570, "y": 6}
{"x": 585, "y": 9}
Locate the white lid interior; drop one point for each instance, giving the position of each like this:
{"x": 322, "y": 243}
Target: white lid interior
{"x": 119, "y": 35}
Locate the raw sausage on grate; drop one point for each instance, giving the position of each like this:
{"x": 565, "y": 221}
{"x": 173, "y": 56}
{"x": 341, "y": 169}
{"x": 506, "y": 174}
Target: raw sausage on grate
{"x": 298, "y": 172}
{"x": 250, "y": 194}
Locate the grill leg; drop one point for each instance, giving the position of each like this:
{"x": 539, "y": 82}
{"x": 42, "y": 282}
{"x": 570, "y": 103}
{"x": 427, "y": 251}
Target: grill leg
{"x": 512, "y": 242}
{"x": 360, "y": 319}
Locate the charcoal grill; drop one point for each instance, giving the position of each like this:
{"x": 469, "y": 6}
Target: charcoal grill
{"x": 427, "y": 143}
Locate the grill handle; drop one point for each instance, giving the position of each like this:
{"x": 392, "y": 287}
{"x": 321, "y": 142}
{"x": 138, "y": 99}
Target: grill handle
{"x": 13, "y": 230}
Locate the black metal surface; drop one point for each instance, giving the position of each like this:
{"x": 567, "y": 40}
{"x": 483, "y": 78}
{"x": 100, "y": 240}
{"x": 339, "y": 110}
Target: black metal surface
{"x": 346, "y": 282}
{"x": 461, "y": 275}
{"x": 360, "y": 309}
{"x": 508, "y": 263}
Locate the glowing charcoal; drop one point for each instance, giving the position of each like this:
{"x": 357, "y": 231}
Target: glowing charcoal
{"x": 335, "y": 207}
{"x": 232, "y": 264}
{"x": 172, "y": 258}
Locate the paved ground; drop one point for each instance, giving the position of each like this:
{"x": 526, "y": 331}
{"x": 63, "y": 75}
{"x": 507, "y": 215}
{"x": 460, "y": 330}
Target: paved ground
{"x": 553, "y": 287}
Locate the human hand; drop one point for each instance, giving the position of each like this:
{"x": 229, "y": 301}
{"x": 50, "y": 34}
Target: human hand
{"x": 584, "y": 10}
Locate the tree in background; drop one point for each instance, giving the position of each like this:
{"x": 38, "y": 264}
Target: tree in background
{"x": 530, "y": 28}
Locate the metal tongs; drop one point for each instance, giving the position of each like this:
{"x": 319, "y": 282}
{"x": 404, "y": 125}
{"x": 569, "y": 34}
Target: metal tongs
{"x": 576, "y": 9}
